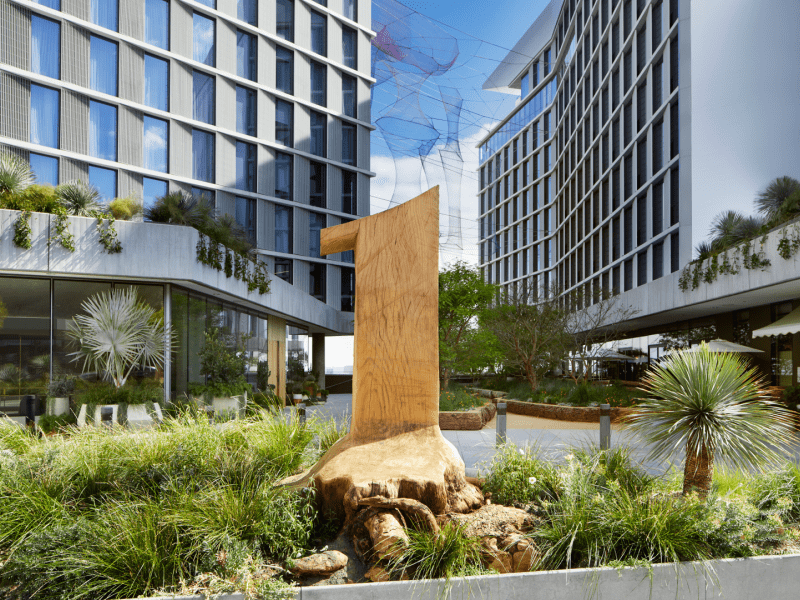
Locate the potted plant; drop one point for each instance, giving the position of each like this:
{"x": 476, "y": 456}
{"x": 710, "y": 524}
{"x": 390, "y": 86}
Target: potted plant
{"x": 223, "y": 362}
{"x": 136, "y": 406}
{"x": 296, "y": 390}
{"x": 58, "y": 393}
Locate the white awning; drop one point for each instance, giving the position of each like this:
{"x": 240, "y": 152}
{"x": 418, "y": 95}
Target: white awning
{"x": 783, "y": 326}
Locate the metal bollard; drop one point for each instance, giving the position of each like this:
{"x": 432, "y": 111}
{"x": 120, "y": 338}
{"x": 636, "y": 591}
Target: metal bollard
{"x": 605, "y": 426}
{"x": 301, "y": 412}
{"x": 500, "y": 424}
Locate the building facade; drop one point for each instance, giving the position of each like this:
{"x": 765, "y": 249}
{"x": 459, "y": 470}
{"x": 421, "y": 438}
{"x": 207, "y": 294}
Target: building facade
{"x": 597, "y": 181}
{"x": 262, "y": 107}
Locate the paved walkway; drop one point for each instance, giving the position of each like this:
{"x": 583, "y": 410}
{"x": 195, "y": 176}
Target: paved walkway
{"x": 552, "y": 438}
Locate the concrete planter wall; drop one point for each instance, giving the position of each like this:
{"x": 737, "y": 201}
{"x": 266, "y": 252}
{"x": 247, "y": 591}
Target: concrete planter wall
{"x": 139, "y": 416}
{"x": 469, "y": 420}
{"x": 57, "y": 406}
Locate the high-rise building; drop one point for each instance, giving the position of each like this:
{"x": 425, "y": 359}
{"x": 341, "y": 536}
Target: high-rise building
{"x": 637, "y": 122}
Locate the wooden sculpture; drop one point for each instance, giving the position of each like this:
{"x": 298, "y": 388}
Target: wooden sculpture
{"x": 395, "y": 455}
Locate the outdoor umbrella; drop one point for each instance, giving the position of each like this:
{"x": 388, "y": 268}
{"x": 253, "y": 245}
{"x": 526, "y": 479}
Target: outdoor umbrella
{"x": 719, "y": 345}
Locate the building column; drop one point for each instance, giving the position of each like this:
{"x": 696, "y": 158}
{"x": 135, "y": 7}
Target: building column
{"x": 167, "y": 342}
{"x": 318, "y": 357}
{"x": 276, "y": 355}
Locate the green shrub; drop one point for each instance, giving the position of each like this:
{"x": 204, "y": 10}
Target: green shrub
{"x": 457, "y": 398}
{"x": 519, "y": 477}
{"x": 55, "y": 423}
{"x": 126, "y": 208}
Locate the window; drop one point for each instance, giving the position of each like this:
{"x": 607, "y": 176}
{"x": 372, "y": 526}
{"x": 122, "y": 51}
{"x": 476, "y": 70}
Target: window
{"x": 105, "y": 180}
{"x": 54, "y": 4}
{"x": 348, "y": 143}
{"x": 203, "y": 155}
{"x": 45, "y": 168}
{"x": 104, "y": 13}
{"x": 156, "y": 23}
{"x": 641, "y": 163}
{"x": 349, "y": 46}
{"x": 284, "y": 70}
{"x": 246, "y": 166}
{"x": 546, "y": 62}
{"x": 657, "y": 8}
{"x": 319, "y": 126}
{"x": 156, "y": 82}
{"x": 246, "y": 55}
{"x": 641, "y": 106}
{"x": 657, "y": 84}
{"x": 348, "y": 289}
{"x": 283, "y": 175}
{"x": 284, "y": 21}
{"x": 349, "y": 196}
{"x": 349, "y": 95}
{"x": 350, "y": 9}
{"x": 103, "y": 63}
{"x": 206, "y": 196}
{"x": 628, "y": 274}
{"x": 283, "y": 269}
{"x": 316, "y": 281}
{"x": 641, "y": 275}
{"x": 208, "y": 3}
{"x": 674, "y": 196}
{"x": 246, "y": 216}
{"x": 524, "y": 85}
{"x": 283, "y": 230}
{"x": 204, "y": 40}
{"x": 319, "y": 33}
{"x": 284, "y": 123}
{"x": 674, "y": 57}
{"x": 203, "y": 97}
{"x": 658, "y": 146}
{"x": 152, "y": 190}
{"x": 245, "y": 110}
{"x": 641, "y": 49}
{"x": 658, "y": 208}
{"x": 318, "y": 83}
{"x": 674, "y": 129}
{"x": 102, "y": 130}
{"x": 641, "y": 220}
{"x": 247, "y": 11}
{"x": 156, "y": 136}
{"x": 45, "y": 47}
{"x": 318, "y": 184}
{"x": 316, "y": 223}
{"x": 44, "y": 116}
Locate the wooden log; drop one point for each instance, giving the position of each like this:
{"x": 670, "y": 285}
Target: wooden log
{"x": 387, "y": 534}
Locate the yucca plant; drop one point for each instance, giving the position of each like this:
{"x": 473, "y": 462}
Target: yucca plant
{"x": 15, "y": 174}
{"x": 770, "y": 201}
{"x": 79, "y": 198}
{"x": 117, "y": 333}
{"x": 179, "y": 209}
{"x": 714, "y": 406}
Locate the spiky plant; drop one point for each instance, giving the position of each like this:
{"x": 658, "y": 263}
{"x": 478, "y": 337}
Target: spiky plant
{"x": 704, "y": 250}
{"x": 770, "y": 201}
{"x": 15, "y": 174}
{"x": 117, "y": 333}
{"x": 179, "y": 209}
{"x": 80, "y": 199}
{"x": 723, "y": 229}
{"x": 748, "y": 228}
{"x": 712, "y": 405}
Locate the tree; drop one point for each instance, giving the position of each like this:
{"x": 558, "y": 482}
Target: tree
{"x": 463, "y": 299}
{"x": 530, "y": 332}
{"x": 712, "y": 405}
{"x": 589, "y": 327}
{"x": 770, "y": 201}
{"x": 118, "y": 333}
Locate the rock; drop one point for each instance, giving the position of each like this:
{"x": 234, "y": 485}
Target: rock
{"x": 495, "y": 520}
{"x": 494, "y": 558}
{"x": 377, "y": 574}
{"x": 323, "y": 563}
{"x": 523, "y": 560}
{"x": 388, "y": 536}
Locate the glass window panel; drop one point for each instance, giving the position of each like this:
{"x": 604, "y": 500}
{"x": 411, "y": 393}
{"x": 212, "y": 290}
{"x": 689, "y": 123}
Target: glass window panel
{"x": 284, "y": 70}
{"x": 283, "y": 175}
{"x": 349, "y": 45}
{"x": 208, "y": 3}
{"x": 318, "y": 184}
{"x": 45, "y": 168}
{"x": 284, "y": 123}
{"x": 247, "y": 11}
{"x": 246, "y": 55}
{"x": 245, "y": 110}
{"x": 349, "y": 192}
{"x": 316, "y": 223}
{"x": 45, "y": 47}
{"x": 349, "y": 95}
{"x": 156, "y": 142}
{"x": 316, "y": 281}
{"x": 156, "y": 82}
{"x": 156, "y": 23}
{"x": 284, "y": 21}
{"x": 319, "y": 34}
{"x": 246, "y": 216}
{"x": 103, "y": 66}
{"x": 318, "y": 83}
{"x": 348, "y": 143}
{"x": 350, "y": 9}
{"x": 322, "y": 2}
{"x": 246, "y": 166}
{"x": 283, "y": 269}
{"x": 204, "y": 40}
{"x": 319, "y": 126}
{"x": 203, "y": 96}
{"x": 55, "y": 4}
{"x": 152, "y": 190}
{"x": 102, "y": 130}
{"x": 44, "y": 116}
{"x": 205, "y": 195}
{"x": 203, "y": 155}
{"x": 348, "y": 288}
{"x": 283, "y": 230}
{"x": 104, "y": 13}
{"x": 105, "y": 180}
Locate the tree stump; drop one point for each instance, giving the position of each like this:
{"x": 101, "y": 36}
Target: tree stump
{"x": 395, "y": 448}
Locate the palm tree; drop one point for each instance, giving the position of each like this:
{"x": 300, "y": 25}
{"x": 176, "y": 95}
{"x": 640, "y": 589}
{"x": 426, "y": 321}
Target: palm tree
{"x": 723, "y": 229}
{"x": 15, "y": 174}
{"x": 118, "y": 333}
{"x": 770, "y": 201}
{"x": 712, "y": 405}
{"x": 79, "y": 198}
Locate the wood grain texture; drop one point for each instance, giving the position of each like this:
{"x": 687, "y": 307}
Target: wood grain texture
{"x": 396, "y": 362}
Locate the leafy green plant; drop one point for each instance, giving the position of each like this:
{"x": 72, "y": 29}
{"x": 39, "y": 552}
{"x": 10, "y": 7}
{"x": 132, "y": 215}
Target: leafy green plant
{"x": 56, "y": 423}
{"x": 108, "y": 234}
{"x": 518, "y": 477}
{"x": 61, "y": 226}
{"x": 712, "y": 405}
{"x": 15, "y": 174}
{"x": 457, "y": 398}
{"x": 61, "y": 388}
{"x": 223, "y": 362}
{"x": 22, "y": 230}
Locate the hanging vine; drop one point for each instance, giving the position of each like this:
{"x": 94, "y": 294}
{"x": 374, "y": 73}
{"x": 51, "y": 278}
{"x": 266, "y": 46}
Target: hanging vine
{"x": 22, "y": 230}
{"x": 709, "y": 269}
{"x": 108, "y": 234}
{"x": 62, "y": 233}
{"x": 234, "y": 264}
